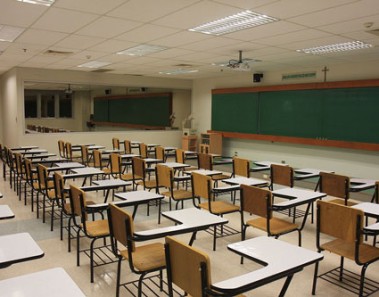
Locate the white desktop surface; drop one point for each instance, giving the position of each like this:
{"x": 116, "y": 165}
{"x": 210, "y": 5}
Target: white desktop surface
{"x": 296, "y": 196}
{"x": 279, "y": 256}
{"x": 368, "y": 208}
{"x": 250, "y": 181}
{"x": 111, "y": 182}
{"x": 24, "y": 148}
{"x": 69, "y": 165}
{"x": 53, "y": 282}
{"x": 5, "y": 212}
{"x": 138, "y": 196}
{"x": 18, "y": 246}
{"x": 176, "y": 165}
{"x": 87, "y": 170}
{"x": 205, "y": 172}
{"x": 357, "y": 184}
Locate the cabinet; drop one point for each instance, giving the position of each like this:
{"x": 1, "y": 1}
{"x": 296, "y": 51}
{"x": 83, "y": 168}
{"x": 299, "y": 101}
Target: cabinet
{"x": 189, "y": 143}
{"x": 211, "y": 143}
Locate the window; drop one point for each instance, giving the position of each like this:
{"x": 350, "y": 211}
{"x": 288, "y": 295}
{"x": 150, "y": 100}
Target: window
{"x": 48, "y": 104}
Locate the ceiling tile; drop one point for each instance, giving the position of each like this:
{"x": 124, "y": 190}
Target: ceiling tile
{"x": 79, "y": 41}
{"x": 91, "y": 6}
{"x": 147, "y": 33}
{"x": 19, "y": 14}
{"x": 44, "y": 37}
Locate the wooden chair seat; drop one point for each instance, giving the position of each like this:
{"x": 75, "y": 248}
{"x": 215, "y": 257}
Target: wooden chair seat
{"x": 148, "y": 184}
{"x": 147, "y": 257}
{"x": 179, "y": 194}
{"x": 220, "y": 177}
{"x": 97, "y": 228}
{"x": 342, "y": 201}
{"x": 127, "y": 176}
{"x": 347, "y": 250}
{"x": 277, "y": 226}
{"x": 220, "y": 207}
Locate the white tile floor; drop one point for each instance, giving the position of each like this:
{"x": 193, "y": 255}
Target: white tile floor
{"x": 224, "y": 263}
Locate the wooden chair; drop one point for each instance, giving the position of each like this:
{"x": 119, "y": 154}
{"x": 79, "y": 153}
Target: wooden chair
{"x": 32, "y": 180}
{"x": 115, "y": 143}
{"x": 281, "y": 175}
{"x": 180, "y": 157}
{"x": 337, "y": 186}
{"x": 98, "y": 162}
{"x": 94, "y": 230}
{"x": 70, "y": 154}
{"x": 143, "y": 151}
{"x": 127, "y": 146}
{"x": 258, "y": 201}
{"x": 160, "y": 153}
{"x": 375, "y": 196}
{"x": 202, "y": 188}
{"x": 86, "y": 158}
{"x": 166, "y": 179}
{"x": 241, "y": 167}
{"x": 20, "y": 174}
{"x": 205, "y": 161}
{"x": 142, "y": 259}
{"x": 116, "y": 168}
{"x": 342, "y": 226}
{"x": 46, "y": 188}
{"x": 62, "y": 149}
{"x": 140, "y": 176}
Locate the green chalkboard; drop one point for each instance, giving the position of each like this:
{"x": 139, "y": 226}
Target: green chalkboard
{"x": 291, "y": 113}
{"x": 101, "y": 110}
{"x": 229, "y": 116}
{"x": 147, "y": 110}
{"x": 347, "y": 114}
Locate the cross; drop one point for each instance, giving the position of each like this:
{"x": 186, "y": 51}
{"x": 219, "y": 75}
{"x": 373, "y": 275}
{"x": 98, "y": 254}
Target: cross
{"x": 325, "y": 70}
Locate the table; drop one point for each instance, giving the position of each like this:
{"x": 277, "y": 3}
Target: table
{"x": 83, "y": 172}
{"x": 51, "y": 282}
{"x": 107, "y": 185}
{"x": 263, "y": 165}
{"x": 361, "y": 184}
{"x": 219, "y": 160}
{"x": 204, "y": 172}
{"x": 135, "y": 198}
{"x": 65, "y": 166}
{"x": 19, "y": 247}
{"x": 24, "y": 148}
{"x": 296, "y": 197}
{"x": 370, "y": 209}
{"x": 305, "y": 173}
{"x": 49, "y": 160}
{"x": 6, "y": 212}
{"x": 280, "y": 259}
{"x": 187, "y": 220}
{"x": 41, "y": 156}
{"x": 249, "y": 181}
{"x": 34, "y": 151}
{"x": 176, "y": 165}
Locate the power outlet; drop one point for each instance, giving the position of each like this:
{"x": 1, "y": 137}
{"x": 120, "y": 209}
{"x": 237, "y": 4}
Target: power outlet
{"x": 283, "y": 162}
{"x": 236, "y": 154}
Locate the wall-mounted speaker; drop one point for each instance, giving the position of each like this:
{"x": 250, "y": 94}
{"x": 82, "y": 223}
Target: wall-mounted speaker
{"x": 108, "y": 91}
{"x": 257, "y": 77}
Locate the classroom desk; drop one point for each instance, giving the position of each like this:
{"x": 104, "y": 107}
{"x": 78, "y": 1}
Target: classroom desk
{"x": 204, "y": 172}
{"x": 83, "y": 173}
{"x": 296, "y": 197}
{"x": 370, "y": 209}
{"x": 110, "y": 151}
{"x": 190, "y": 155}
{"x": 32, "y": 152}
{"x": 6, "y": 212}
{"x": 249, "y": 181}
{"x": 305, "y": 173}
{"x": 280, "y": 260}
{"x": 41, "y": 156}
{"x": 135, "y": 198}
{"x": 153, "y": 161}
{"x": 106, "y": 185}
{"x": 46, "y": 283}
{"x": 19, "y": 247}
{"x": 175, "y": 165}
{"x": 263, "y": 165}
{"x": 361, "y": 184}
{"x": 24, "y": 148}
{"x": 222, "y": 160}
{"x": 65, "y": 166}
{"x": 188, "y": 220}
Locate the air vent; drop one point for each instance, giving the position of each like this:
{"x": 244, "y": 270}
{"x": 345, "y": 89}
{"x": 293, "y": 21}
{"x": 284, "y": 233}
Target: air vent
{"x": 102, "y": 70}
{"x": 374, "y": 32}
{"x": 57, "y": 53}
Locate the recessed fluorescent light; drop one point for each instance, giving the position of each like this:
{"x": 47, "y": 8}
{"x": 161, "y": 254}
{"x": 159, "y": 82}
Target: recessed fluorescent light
{"x": 9, "y": 33}
{"x": 141, "y": 50}
{"x": 242, "y": 20}
{"x": 178, "y": 71}
{"x": 94, "y": 64}
{"x": 39, "y": 2}
{"x": 337, "y": 47}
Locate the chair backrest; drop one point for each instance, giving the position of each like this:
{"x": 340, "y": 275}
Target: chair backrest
{"x": 256, "y": 201}
{"x": 187, "y": 267}
{"x": 375, "y": 197}
{"x": 338, "y": 220}
{"x": 179, "y": 156}
{"x": 204, "y": 161}
{"x": 281, "y": 175}
{"x": 120, "y": 226}
{"x": 42, "y": 176}
{"x": 28, "y": 170}
{"x": 164, "y": 175}
{"x": 143, "y": 150}
{"x": 128, "y": 147}
{"x": 138, "y": 168}
{"x": 115, "y": 162}
{"x": 115, "y": 143}
{"x": 201, "y": 185}
{"x": 58, "y": 185}
{"x": 61, "y": 149}
{"x": 19, "y": 163}
{"x": 241, "y": 167}
{"x": 78, "y": 202}
{"x": 97, "y": 159}
{"x": 335, "y": 185}
{"x": 85, "y": 154}
{"x": 160, "y": 153}
{"x": 68, "y": 150}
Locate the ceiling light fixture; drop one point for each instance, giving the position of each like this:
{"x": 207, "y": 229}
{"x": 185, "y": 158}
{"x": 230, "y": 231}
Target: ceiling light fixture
{"x": 337, "y": 47}
{"x": 9, "y": 33}
{"x": 178, "y": 71}
{"x": 94, "y": 64}
{"x": 240, "y": 21}
{"x": 39, "y": 2}
{"x": 142, "y": 50}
